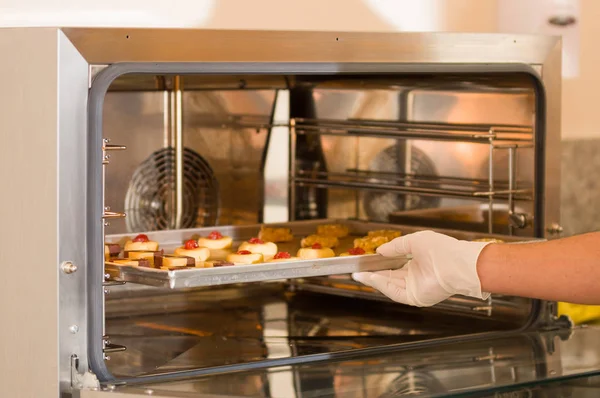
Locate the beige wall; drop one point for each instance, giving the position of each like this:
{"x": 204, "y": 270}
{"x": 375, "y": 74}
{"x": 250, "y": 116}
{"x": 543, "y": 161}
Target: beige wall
{"x": 580, "y": 102}
{"x": 355, "y": 15}
{"x": 580, "y": 116}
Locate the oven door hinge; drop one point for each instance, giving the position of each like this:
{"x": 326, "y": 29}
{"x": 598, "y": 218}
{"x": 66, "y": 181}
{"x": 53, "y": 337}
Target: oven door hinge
{"x": 85, "y": 380}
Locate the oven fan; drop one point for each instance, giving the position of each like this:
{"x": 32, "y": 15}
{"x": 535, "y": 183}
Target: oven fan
{"x": 414, "y": 382}
{"x": 379, "y": 205}
{"x": 151, "y": 191}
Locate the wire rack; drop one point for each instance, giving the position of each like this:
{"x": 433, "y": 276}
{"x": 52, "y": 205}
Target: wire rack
{"x": 509, "y": 138}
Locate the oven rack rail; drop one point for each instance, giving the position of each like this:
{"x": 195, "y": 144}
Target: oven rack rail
{"x": 501, "y": 134}
{"x": 514, "y": 135}
{"x": 503, "y": 137}
{"x": 450, "y": 187}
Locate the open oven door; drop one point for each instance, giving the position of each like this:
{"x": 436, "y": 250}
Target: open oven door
{"x": 521, "y": 364}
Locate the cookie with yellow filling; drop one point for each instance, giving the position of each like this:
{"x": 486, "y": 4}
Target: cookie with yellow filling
{"x": 314, "y": 252}
{"x": 140, "y": 262}
{"x": 215, "y": 241}
{"x": 141, "y": 243}
{"x": 370, "y": 244}
{"x": 325, "y": 241}
{"x": 256, "y": 245}
{"x": 192, "y": 249}
{"x": 169, "y": 262}
{"x": 148, "y": 255}
{"x": 390, "y": 234}
{"x": 244, "y": 257}
{"x": 336, "y": 230}
{"x": 275, "y": 235}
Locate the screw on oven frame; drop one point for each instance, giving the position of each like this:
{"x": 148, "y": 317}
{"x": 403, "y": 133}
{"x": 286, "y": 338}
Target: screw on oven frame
{"x": 73, "y": 329}
{"x": 68, "y": 267}
{"x": 555, "y": 229}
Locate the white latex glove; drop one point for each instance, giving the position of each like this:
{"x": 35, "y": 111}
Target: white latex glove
{"x": 441, "y": 267}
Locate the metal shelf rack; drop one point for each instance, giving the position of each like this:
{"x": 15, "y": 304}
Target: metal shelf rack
{"x": 497, "y": 137}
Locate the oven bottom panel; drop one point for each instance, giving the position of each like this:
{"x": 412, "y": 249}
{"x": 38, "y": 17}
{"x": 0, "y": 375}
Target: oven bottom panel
{"x": 511, "y": 365}
{"x": 170, "y": 331}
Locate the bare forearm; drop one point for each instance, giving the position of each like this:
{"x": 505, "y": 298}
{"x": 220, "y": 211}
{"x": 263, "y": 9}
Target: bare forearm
{"x": 560, "y": 270}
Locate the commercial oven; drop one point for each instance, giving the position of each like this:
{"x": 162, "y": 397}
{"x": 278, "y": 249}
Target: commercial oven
{"x": 109, "y": 133}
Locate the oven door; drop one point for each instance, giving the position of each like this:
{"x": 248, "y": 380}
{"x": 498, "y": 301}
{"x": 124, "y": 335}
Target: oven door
{"x": 520, "y": 364}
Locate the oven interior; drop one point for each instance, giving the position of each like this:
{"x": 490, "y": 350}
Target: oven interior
{"x": 444, "y": 151}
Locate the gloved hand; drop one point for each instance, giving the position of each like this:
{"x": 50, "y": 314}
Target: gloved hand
{"x": 441, "y": 267}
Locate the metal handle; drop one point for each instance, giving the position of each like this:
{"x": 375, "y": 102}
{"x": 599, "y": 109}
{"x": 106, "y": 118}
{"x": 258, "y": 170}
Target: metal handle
{"x": 113, "y": 214}
{"x": 108, "y": 348}
{"x": 109, "y": 147}
{"x": 518, "y": 220}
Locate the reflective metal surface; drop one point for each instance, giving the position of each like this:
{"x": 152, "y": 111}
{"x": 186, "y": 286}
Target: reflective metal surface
{"x": 543, "y": 53}
{"x": 106, "y": 46}
{"x": 446, "y": 103}
{"x": 139, "y": 120}
{"x": 175, "y": 332}
{"x": 433, "y": 100}
{"x": 519, "y": 365}
{"x": 72, "y": 215}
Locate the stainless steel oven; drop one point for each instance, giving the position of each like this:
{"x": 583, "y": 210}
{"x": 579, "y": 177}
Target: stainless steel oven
{"x": 178, "y": 133}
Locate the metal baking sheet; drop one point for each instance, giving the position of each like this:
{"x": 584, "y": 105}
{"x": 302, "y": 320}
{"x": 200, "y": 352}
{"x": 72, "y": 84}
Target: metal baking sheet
{"x": 195, "y": 277}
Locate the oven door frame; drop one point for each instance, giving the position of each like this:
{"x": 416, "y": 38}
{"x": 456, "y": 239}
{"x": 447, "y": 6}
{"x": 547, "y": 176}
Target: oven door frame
{"x": 95, "y": 233}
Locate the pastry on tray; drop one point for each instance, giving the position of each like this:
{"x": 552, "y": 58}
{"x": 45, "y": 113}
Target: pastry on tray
{"x": 275, "y": 235}
{"x": 336, "y": 230}
{"x": 256, "y": 245}
{"x": 140, "y": 262}
{"x": 283, "y": 256}
{"x": 217, "y": 263}
{"x": 325, "y": 241}
{"x": 111, "y": 250}
{"x": 170, "y": 262}
{"x": 314, "y": 252}
{"x": 141, "y": 243}
{"x": 370, "y": 243}
{"x": 215, "y": 241}
{"x": 355, "y": 251}
{"x": 192, "y": 249}
{"x": 148, "y": 255}
{"x": 386, "y": 233}
{"x": 243, "y": 257}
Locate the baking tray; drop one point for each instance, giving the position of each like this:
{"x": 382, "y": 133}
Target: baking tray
{"x": 195, "y": 277}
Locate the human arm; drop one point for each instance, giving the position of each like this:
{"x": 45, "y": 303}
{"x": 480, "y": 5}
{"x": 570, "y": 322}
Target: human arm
{"x": 560, "y": 270}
